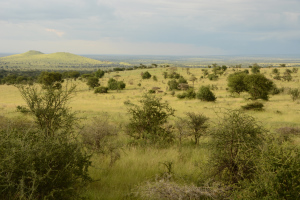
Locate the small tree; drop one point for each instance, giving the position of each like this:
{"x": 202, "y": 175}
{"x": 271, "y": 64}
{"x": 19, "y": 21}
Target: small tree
{"x": 99, "y": 73}
{"x": 258, "y": 86}
{"x": 205, "y": 94}
{"x": 146, "y": 75}
{"x": 113, "y": 84}
{"x": 197, "y": 124}
{"x": 255, "y": 69}
{"x": 236, "y": 82}
{"x": 93, "y": 82}
{"x": 295, "y": 93}
{"x": 52, "y": 79}
{"x": 235, "y": 141}
{"x": 147, "y": 120}
{"x": 173, "y": 84}
{"x": 100, "y": 90}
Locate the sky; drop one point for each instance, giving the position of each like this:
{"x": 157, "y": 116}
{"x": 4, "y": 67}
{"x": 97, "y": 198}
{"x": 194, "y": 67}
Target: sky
{"x": 151, "y": 27}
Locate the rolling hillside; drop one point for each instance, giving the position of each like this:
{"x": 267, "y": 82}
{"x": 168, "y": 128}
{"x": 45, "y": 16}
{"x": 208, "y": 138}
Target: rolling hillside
{"x": 36, "y": 59}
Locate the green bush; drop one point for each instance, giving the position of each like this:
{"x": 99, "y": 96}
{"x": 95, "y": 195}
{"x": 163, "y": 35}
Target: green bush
{"x": 33, "y": 166}
{"x": 189, "y": 94}
{"x": 235, "y": 142}
{"x": 212, "y": 77}
{"x": 257, "y": 106}
{"x": 205, "y": 94}
{"x": 113, "y": 84}
{"x": 146, "y": 75}
{"x": 101, "y": 90}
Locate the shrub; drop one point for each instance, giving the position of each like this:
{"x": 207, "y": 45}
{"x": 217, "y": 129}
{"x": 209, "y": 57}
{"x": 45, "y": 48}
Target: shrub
{"x": 257, "y": 106}
{"x": 295, "y": 94}
{"x": 154, "y": 78}
{"x": 93, "y": 82}
{"x": 113, "y": 84}
{"x": 173, "y": 84}
{"x": 147, "y": 120}
{"x": 212, "y": 77}
{"x": 101, "y": 90}
{"x": 236, "y": 82}
{"x": 235, "y": 141}
{"x": 151, "y": 91}
{"x": 197, "y": 123}
{"x": 189, "y": 94}
{"x": 146, "y": 75}
{"x": 205, "y": 94}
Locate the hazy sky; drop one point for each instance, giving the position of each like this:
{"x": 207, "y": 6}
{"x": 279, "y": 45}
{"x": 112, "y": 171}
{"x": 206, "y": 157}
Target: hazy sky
{"x": 151, "y": 27}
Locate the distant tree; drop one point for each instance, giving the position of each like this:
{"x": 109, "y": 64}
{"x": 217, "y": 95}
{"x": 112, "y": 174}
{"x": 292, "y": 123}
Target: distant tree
{"x": 99, "y": 73}
{"x": 295, "y": 94}
{"x": 224, "y": 67}
{"x": 173, "y": 84}
{"x": 236, "y": 82}
{"x": 258, "y": 86}
{"x": 182, "y": 80}
{"x": 52, "y": 79}
{"x": 205, "y": 94}
{"x": 275, "y": 71}
{"x": 255, "y": 69}
{"x": 93, "y": 82}
{"x": 193, "y": 79}
{"x": 154, "y": 78}
{"x": 113, "y": 84}
{"x": 146, "y": 75}
{"x": 282, "y": 65}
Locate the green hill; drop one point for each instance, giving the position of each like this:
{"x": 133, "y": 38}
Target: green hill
{"x": 37, "y": 59}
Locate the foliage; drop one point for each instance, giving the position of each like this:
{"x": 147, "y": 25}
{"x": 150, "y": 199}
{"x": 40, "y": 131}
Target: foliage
{"x": 278, "y": 174}
{"x": 147, "y": 120}
{"x": 197, "y": 123}
{"x": 93, "y": 82}
{"x": 182, "y": 80}
{"x": 51, "y": 79}
{"x": 99, "y": 73}
{"x": 212, "y": 77}
{"x": 189, "y": 94}
{"x": 100, "y": 90}
{"x": 146, "y": 75}
{"x": 101, "y": 136}
{"x": 173, "y": 84}
{"x": 236, "y": 82}
{"x": 205, "y": 94}
{"x": 49, "y": 108}
{"x": 255, "y": 69}
{"x": 258, "y": 86}
{"x": 295, "y": 93}
{"x": 113, "y": 84}
{"x": 154, "y": 78}
{"x": 35, "y": 167}
{"x": 235, "y": 141}
{"x": 257, "y": 106}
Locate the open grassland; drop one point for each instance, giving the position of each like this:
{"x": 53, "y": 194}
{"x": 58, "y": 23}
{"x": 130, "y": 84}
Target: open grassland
{"x": 140, "y": 164}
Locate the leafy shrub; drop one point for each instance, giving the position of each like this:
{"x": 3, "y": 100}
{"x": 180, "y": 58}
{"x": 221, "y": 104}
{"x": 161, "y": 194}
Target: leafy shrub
{"x": 33, "y": 166}
{"x": 295, "y": 93}
{"x": 205, "y": 94}
{"x": 147, "y": 120}
{"x": 257, "y": 106}
{"x": 113, "y": 84}
{"x": 189, "y": 94}
{"x": 173, "y": 84}
{"x": 93, "y": 82}
{"x": 154, "y": 78}
{"x": 101, "y": 90}
{"x": 151, "y": 91}
{"x": 146, "y": 75}
{"x": 278, "y": 174}
{"x": 212, "y": 77}
{"x": 236, "y": 139}
{"x": 258, "y": 86}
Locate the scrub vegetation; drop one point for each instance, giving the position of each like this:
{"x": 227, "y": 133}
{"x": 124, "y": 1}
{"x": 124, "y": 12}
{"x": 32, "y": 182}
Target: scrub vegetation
{"x": 219, "y": 132}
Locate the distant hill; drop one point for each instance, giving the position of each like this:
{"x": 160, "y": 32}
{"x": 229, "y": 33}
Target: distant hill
{"x": 37, "y": 59}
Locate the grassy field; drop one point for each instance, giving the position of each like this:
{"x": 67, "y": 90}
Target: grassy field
{"x": 138, "y": 165}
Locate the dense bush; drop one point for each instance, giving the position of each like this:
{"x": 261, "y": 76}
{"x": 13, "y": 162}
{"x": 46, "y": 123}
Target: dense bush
{"x": 189, "y": 94}
{"x": 146, "y": 75}
{"x": 257, "y": 106}
{"x": 147, "y": 120}
{"x": 258, "y": 86}
{"x": 236, "y": 82}
{"x": 205, "y": 94}
{"x": 173, "y": 84}
{"x": 235, "y": 141}
{"x": 113, "y": 84}
{"x": 93, "y": 82}
{"x": 101, "y": 90}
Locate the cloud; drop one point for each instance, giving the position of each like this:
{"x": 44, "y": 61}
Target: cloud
{"x": 228, "y": 25}
{"x": 58, "y": 33}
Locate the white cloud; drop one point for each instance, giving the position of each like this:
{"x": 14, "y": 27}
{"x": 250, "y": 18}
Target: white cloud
{"x": 58, "y": 33}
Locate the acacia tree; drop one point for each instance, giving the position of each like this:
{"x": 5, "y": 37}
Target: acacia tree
{"x": 236, "y": 82}
{"x": 147, "y": 120}
{"x": 197, "y": 124}
{"x": 258, "y": 86}
{"x": 49, "y": 107}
